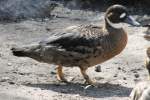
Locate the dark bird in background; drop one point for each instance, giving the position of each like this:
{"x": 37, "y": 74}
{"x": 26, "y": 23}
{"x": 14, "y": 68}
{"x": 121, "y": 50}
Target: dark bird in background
{"x": 83, "y": 46}
{"x": 142, "y": 90}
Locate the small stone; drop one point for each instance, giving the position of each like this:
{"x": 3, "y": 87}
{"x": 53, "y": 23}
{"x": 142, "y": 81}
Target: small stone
{"x": 98, "y": 68}
{"x": 137, "y": 75}
{"x": 124, "y": 78}
{"x": 115, "y": 75}
{"x": 119, "y": 68}
{"x": 21, "y": 73}
{"x": 48, "y": 29}
{"x": 9, "y": 64}
{"x": 11, "y": 82}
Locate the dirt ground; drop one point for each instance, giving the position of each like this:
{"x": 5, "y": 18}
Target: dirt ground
{"x": 26, "y": 79}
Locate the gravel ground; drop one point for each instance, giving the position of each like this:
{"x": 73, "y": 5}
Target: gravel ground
{"x": 27, "y": 79}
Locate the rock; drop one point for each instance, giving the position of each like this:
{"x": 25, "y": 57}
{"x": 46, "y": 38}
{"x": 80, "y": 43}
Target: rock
{"x": 119, "y": 68}
{"x": 98, "y": 68}
{"x": 9, "y": 64}
{"x": 11, "y": 82}
{"x": 115, "y": 75}
{"x": 124, "y": 78}
{"x": 48, "y": 29}
{"x": 137, "y": 75}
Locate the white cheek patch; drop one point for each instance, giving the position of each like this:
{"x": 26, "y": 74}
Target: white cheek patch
{"x": 123, "y": 15}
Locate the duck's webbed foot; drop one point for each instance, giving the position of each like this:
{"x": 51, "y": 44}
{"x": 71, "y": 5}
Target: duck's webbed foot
{"x": 86, "y": 77}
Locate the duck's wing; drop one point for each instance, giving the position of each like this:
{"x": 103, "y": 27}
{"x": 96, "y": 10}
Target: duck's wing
{"x": 82, "y": 39}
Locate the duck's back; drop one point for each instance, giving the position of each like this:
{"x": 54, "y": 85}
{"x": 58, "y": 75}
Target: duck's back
{"x": 83, "y": 46}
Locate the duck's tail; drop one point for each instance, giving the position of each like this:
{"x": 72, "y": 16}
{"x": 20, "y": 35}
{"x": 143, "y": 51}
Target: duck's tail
{"x": 26, "y": 51}
{"x": 20, "y": 52}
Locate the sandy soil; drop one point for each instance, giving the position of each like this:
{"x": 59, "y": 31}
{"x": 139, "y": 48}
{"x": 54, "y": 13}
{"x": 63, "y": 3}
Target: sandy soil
{"x": 27, "y": 79}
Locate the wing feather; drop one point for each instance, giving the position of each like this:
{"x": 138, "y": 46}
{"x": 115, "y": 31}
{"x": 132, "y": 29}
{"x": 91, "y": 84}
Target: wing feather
{"x": 82, "y": 39}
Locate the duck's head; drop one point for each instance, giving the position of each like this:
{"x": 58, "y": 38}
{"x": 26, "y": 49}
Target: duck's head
{"x": 119, "y": 14}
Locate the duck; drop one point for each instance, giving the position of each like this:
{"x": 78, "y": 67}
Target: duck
{"x": 142, "y": 90}
{"x": 82, "y": 46}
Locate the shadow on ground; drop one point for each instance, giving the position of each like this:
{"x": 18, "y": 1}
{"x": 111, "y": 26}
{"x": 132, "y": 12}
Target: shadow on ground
{"x": 105, "y": 90}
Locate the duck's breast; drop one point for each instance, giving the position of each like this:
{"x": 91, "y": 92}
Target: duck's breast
{"x": 110, "y": 47}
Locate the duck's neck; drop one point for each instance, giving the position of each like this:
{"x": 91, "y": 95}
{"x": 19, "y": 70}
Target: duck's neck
{"x": 117, "y": 38}
{"x": 111, "y": 27}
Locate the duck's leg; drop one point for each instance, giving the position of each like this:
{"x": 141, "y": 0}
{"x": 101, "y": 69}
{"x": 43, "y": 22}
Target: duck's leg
{"x": 60, "y": 75}
{"x": 86, "y": 77}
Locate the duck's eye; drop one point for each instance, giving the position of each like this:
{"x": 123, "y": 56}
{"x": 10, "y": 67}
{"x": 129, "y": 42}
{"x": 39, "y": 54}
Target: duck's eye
{"x": 123, "y": 15}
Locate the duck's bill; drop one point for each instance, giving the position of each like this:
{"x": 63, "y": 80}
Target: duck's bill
{"x": 130, "y": 20}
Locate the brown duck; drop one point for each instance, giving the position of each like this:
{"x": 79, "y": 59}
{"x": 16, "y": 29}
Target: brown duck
{"x": 142, "y": 89}
{"x": 83, "y": 46}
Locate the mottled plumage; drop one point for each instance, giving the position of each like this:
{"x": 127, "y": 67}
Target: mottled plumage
{"x": 83, "y": 46}
{"x": 142, "y": 90}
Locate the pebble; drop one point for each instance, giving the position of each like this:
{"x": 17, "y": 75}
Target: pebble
{"x": 21, "y": 73}
{"x": 48, "y": 29}
{"x": 115, "y": 75}
{"x": 52, "y": 72}
{"x": 11, "y": 82}
{"x": 124, "y": 78}
{"x": 9, "y": 64}
{"x": 98, "y": 68}
{"x": 119, "y": 68}
{"x": 137, "y": 75}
